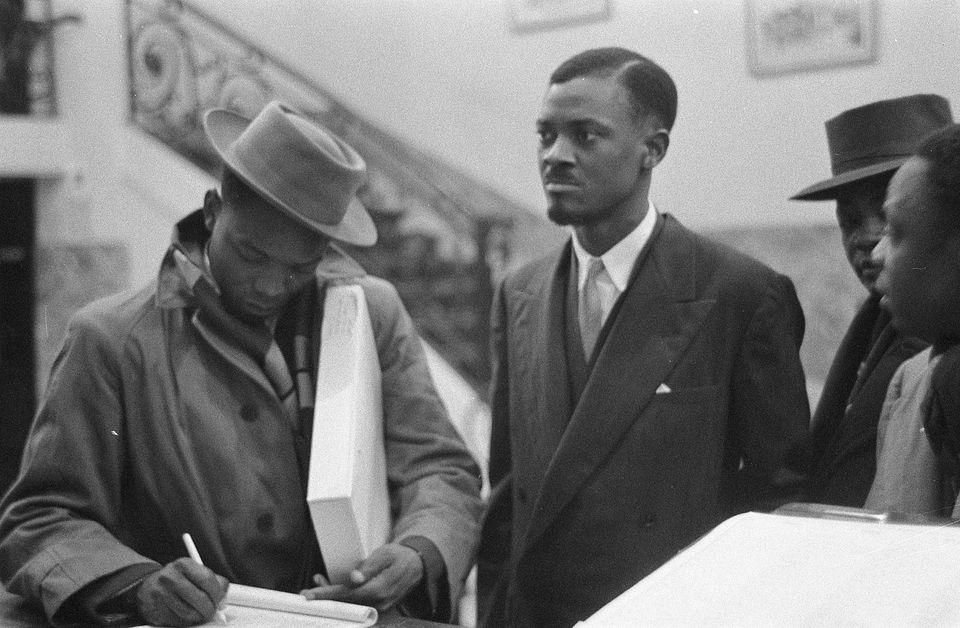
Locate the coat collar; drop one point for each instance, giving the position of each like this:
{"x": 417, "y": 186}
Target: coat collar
{"x": 659, "y": 316}
{"x": 174, "y": 290}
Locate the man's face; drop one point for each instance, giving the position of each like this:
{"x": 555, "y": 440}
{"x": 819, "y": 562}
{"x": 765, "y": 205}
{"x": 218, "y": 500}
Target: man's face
{"x": 260, "y": 258}
{"x": 591, "y": 151}
{"x": 860, "y": 215}
{"x": 920, "y": 278}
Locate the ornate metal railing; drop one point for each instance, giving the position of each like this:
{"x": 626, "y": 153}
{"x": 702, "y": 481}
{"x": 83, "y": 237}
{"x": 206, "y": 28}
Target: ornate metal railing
{"x": 26, "y": 58}
{"x": 442, "y": 234}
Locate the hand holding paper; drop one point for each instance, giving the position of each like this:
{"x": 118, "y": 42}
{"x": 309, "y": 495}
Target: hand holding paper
{"x": 382, "y": 580}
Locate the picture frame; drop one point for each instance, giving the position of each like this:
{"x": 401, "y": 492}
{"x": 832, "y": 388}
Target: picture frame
{"x": 533, "y": 15}
{"x": 786, "y": 36}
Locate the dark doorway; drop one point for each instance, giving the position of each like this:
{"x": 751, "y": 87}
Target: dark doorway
{"x": 17, "y": 369}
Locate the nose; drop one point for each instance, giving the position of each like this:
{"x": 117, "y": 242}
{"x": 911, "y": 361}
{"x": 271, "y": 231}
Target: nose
{"x": 879, "y": 252}
{"x": 869, "y": 234}
{"x": 559, "y": 152}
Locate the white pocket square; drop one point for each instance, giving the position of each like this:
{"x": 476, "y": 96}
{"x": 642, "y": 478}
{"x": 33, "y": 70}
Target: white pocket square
{"x": 663, "y": 389}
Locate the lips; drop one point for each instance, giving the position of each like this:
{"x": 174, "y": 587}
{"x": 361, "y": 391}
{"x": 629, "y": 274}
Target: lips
{"x": 259, "y": 309}
{"x": 554, "y": 183}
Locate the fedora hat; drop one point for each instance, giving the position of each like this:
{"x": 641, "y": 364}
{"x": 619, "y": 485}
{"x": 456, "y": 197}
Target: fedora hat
{"x": 299, "y": 167}
{"x": 876, "y": 138}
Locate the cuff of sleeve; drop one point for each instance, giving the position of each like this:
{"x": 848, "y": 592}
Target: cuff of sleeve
{"x": 431, "y": 598}
{"x": 111, "y": 600}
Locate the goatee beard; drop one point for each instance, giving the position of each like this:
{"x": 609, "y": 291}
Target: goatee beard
{"x": 560, "y": 216}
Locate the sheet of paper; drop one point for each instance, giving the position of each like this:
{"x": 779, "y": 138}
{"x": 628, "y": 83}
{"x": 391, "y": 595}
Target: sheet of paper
{"x": 255, "y": 607}
{"x": 247, "y": 617}
{"x": 772, "y": 570}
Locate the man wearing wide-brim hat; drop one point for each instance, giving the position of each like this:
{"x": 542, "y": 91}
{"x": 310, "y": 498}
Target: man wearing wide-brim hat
{"x": 187, "y": 407}
{"x": 867, "y": 144}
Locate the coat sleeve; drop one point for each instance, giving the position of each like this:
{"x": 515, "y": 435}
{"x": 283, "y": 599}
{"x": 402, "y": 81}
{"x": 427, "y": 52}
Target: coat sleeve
{"x": 433, "y": 480}
{"x": 496, "y": 537}
{"x": 769, "y": 406}
{"x": 58, "y": 528}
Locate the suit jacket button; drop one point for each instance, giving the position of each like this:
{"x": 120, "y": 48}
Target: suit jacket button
{"x": 248, "y": 412}
{"x": 522, "y": 494}
{"x": 649, "y": 521}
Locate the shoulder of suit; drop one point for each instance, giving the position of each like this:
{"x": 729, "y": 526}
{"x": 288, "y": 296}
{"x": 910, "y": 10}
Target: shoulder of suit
{"x": 714, "y": 255}
{"x": 534, "y": 270}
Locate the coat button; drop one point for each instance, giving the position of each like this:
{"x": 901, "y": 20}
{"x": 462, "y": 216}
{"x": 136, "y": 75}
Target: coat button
{"x": 522, "y": 494}
{"x": 649, "y": 521}
{"x": 248, "y": 412}
{"x": 265, "y": 523}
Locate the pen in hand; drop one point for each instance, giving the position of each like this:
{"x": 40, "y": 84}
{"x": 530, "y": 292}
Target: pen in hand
{"x": 195, "y": 555}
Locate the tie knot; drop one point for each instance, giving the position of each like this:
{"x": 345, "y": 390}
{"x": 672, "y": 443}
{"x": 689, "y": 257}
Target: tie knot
{"x": 594, "y": 267}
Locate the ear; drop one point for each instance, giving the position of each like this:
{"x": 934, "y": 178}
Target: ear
{"x": 657, "y": 142}
{"x": 212, "y": 204}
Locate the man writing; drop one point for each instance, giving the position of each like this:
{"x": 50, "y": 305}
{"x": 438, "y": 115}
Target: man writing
{"x": 646, "y": 381}
{"x": 867, "y": 145}
{"x": 187, "y": 407}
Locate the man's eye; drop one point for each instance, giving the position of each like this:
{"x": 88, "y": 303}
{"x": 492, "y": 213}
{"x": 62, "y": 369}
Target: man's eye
{"x": 252, "y": 256}
{"x": 546, "y": 137}
{"x": 586, "y": 136}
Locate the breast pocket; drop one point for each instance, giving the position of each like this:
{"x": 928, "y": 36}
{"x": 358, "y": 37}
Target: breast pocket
{"x": 684, "y": 396}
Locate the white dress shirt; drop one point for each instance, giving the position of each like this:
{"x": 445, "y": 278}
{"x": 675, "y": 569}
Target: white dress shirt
{"x": 618, "y": 262}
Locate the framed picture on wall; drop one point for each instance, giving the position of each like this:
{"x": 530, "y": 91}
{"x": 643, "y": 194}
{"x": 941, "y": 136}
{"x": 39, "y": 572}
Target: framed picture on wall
{"x": 528, "y": 15}
{"x": 798, "y": 35}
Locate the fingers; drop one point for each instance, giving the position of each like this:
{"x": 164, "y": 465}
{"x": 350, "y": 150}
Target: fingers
{"x": 379, "y": 560}
{"x": 328, "y": 592}
{"x": 182, "y": 593}
{"x": 385, "y": 577}
{"x": 382, "y": 580}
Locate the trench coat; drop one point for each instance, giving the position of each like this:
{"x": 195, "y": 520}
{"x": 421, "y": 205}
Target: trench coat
{"x": 152, "y": 426}
{"x": 695, "y": 409}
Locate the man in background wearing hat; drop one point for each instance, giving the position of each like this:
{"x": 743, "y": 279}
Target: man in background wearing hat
{"x": 186, "y": 407}
{"x": 867, "y": 145}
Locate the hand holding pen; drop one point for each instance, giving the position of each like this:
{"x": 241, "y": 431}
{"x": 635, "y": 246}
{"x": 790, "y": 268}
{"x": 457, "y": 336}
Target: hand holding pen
{"x": 182, "y": 593}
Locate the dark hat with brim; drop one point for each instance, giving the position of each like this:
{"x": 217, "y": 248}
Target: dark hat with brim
{"x": 298, "y": 166}
{"x": 877, "y": 138}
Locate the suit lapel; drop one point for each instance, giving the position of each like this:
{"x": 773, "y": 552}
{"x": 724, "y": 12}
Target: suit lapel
{"x": 540, "y": 327}
{"x": 657, "y": 319}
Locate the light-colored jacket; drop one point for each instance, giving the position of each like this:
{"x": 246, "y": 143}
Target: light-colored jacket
{"x": 150, "y": 427}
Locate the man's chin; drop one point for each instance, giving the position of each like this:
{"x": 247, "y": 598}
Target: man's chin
{"x": 559, "y": 214}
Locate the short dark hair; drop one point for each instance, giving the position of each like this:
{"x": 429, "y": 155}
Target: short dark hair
{"x": 651, "y": 90}
{"x": 941, "y": 151}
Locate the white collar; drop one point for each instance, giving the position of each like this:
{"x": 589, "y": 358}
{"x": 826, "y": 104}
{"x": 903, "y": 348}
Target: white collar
{"x": 622, "y": 256}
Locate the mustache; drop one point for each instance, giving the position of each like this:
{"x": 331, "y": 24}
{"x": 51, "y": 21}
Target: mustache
{"x": 554, "y": 175}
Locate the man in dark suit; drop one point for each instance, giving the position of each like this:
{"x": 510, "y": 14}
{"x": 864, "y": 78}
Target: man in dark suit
{"x": 638, "y": 401}
{"x": 867, "y": 144}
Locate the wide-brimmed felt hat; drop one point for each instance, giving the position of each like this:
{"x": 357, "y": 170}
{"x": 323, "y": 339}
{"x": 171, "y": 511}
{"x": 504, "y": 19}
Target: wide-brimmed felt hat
{"x": 298, "y": 166}
{"x": 873, "y": 139}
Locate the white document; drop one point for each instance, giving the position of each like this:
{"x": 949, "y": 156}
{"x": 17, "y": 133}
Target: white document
{"x": 347, "y": 484}
{"x": 774, "y": 570}
{"x": 252, "y": 607}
